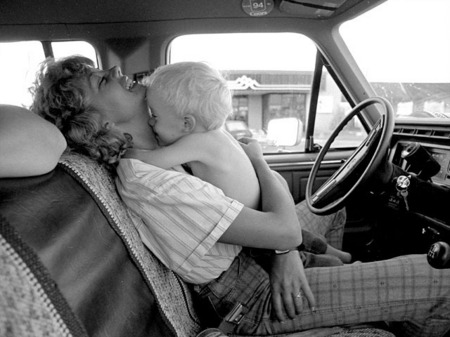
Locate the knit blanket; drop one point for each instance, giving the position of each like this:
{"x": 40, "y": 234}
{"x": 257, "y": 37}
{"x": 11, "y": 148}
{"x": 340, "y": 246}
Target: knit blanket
{"x": 171, "y": 293}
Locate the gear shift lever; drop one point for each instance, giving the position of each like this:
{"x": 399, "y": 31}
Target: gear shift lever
{"x": 439, "y": 255}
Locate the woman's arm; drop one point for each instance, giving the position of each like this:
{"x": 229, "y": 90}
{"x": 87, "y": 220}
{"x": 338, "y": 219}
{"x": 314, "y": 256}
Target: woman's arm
{"x": 29, "y": 145}
{"x": 277, "y": 226}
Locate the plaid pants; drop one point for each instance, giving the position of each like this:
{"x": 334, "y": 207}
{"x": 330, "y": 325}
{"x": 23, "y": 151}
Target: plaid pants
{"x": 329, "y": 227}
{"x": 404, "y": 291}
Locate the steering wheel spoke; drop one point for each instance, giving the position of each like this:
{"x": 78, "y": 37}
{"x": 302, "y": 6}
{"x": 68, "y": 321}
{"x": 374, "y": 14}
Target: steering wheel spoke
{"x": 357, "y": 168}
{"x": 339, "y": 177}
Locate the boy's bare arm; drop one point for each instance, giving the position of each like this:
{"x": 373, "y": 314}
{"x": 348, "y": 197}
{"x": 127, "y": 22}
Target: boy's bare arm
{"x": 187, "y": 149}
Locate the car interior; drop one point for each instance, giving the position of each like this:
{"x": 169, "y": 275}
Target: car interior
{"x": 331, "y": 89}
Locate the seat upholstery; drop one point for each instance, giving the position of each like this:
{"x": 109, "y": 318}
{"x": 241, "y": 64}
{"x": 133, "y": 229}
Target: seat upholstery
{"x": 30, "y": 302}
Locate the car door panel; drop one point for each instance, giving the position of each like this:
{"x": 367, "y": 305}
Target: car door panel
{"x": 296, "y": 168}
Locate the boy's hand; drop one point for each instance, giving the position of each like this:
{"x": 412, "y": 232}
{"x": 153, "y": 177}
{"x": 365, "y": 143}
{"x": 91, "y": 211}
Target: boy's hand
{"x": 252, "y": 149}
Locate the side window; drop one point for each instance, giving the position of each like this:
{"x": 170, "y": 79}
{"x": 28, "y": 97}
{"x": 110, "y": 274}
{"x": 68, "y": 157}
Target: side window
{"x": 332, "y": 108}
{"x": 271, "y": 76}
{"x": 19, "y": 62}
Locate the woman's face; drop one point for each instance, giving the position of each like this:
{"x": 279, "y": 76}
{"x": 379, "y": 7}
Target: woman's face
{"x": 118, "y": 99}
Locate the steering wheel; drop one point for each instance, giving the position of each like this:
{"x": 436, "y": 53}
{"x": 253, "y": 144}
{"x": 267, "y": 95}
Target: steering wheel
{"x": 356, "y": 170}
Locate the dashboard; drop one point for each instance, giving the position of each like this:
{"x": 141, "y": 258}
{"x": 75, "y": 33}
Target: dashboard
{"x": 423, "y": 150}
{"x": 429, "y": 160}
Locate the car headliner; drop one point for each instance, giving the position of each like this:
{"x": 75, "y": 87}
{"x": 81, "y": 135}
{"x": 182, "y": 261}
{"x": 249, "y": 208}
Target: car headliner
{"x": 32, "y": 12}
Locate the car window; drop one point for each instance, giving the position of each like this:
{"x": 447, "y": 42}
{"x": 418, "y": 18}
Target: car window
{"x": 67, "y": 48}
{"x": 271, "y": 76}
{"x": 403, "y": 49}
{"x": 332, "y": 108}
{"x": 19, "y": 62}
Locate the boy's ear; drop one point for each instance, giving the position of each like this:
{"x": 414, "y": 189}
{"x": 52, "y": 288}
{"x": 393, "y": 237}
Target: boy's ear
{"x": 189, "y": 123}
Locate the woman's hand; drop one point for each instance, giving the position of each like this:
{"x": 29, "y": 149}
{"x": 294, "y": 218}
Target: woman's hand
{"x": 288, "y": 280}
{"x": 252, "y": 149}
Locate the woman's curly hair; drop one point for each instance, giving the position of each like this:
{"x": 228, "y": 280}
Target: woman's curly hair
{"x": 59, "y": 96}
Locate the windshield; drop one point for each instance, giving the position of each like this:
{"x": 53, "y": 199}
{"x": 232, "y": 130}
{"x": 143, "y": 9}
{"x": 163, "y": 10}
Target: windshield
{"x": 403, "y": 49}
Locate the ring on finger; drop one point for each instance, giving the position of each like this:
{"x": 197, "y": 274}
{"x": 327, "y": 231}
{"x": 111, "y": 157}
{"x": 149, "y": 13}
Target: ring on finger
{"x": 299, "y": 295}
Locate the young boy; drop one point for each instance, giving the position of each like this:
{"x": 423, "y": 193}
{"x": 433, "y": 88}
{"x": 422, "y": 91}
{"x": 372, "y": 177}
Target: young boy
{"x": 189, "y": 103}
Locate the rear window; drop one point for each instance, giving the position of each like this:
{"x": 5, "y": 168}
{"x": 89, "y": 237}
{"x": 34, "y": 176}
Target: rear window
{"x": 19, "y": 62}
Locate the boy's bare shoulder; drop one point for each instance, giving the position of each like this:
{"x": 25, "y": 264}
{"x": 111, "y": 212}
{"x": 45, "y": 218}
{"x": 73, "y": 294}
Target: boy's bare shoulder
{"x": 218, "y": 143}
{"x": 213, "y": 137}
{"x": 223, "y": 138}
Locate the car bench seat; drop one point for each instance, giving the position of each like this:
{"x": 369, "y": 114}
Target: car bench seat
{"x": 73, "y": 264}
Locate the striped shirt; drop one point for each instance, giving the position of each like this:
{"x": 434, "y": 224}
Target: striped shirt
{"x": 183, "y": 219}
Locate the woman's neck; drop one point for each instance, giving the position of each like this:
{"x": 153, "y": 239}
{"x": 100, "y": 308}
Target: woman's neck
{"x": 143, "y": 136}
{"x": 144, "y": 140}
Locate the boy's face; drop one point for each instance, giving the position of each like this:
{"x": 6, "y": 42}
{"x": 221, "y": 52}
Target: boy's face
{"x": 167, "y": 125}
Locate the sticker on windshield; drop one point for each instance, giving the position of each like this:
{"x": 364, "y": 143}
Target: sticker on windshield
{"x": 257, "y": 7}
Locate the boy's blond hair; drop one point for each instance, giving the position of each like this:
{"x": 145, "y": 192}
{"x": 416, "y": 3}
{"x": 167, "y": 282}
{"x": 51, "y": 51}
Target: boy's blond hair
{"x": 194, "y": 88}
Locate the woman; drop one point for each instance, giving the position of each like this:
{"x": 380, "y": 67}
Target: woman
{"x": 98, "y": 110}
